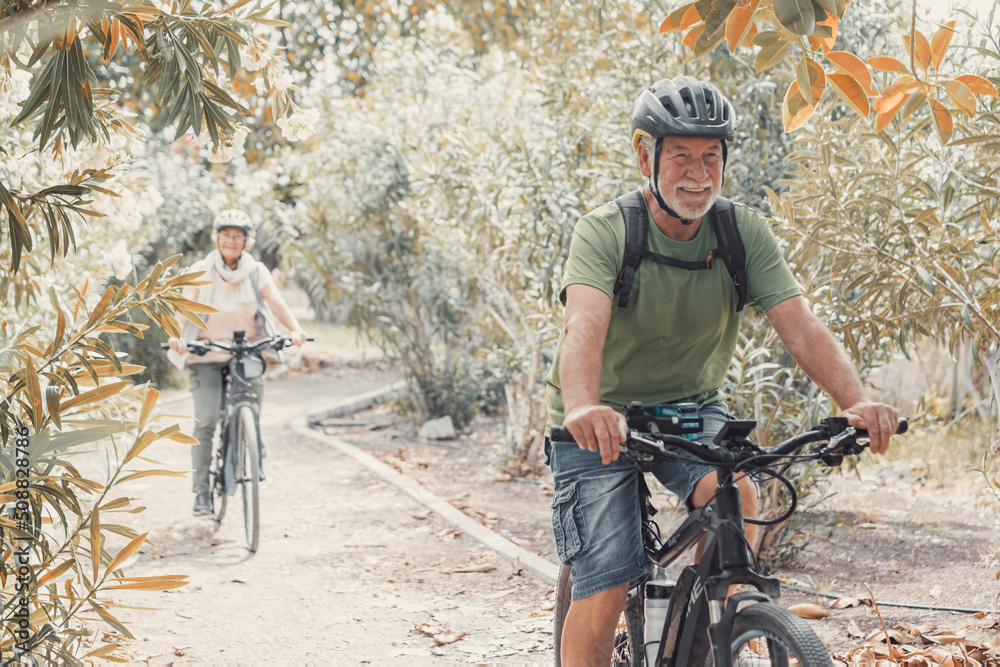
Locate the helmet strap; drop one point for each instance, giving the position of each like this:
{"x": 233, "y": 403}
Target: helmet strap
{"x": 654, "y": 185}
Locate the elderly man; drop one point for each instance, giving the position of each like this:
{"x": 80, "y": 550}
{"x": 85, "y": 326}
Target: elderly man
{"x": 661, "y": 332}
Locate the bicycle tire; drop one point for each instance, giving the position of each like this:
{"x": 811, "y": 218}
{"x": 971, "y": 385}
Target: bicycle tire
{"x": 218, "y": 476}
{"x": 563, "y": 591}
{"x": 628, "y": 647}
{"x": 787, "y": 639}
{"x": 248, "y": 475}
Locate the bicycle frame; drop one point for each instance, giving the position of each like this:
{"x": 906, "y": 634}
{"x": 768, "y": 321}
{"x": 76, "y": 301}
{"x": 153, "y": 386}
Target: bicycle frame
{"x": 725, "y": 551}
{"x": 236, "y": 393}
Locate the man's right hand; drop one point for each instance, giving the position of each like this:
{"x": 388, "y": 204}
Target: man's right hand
{"x": 597, "y": 428}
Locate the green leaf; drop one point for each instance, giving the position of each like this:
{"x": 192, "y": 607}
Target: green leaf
{"x": 799, "y": 16}
{"x": 109, "y": 619}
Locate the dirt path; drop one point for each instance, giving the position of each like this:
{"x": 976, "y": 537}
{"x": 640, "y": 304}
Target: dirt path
{"x": 349, "y": 569}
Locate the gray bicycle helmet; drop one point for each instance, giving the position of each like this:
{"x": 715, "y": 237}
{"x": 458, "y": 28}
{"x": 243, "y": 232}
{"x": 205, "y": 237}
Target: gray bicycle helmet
{"x": 681, "y": 107}
{"x": 233, "y": 217}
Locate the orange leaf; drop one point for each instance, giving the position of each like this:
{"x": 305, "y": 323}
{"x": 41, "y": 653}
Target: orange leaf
{"x": 52, "y": 574}
{"x": 116, "y": 31}
{"x": 127, "y": 551}
{"x": 851, "y": 92}
{"x": 853, "y": 66}
{"x": 892, "y": 95}
{"x": 887, "y": 64}
{"x": 811, "y": 79}
{"x": 808, "y": 610}
{"x": 922, "y": 53}
{"x": 882, "y": 118}
{"x": 673, "y": 20}
{"x": 148, "y": 401}
{"x": 978, "y": 84}
{"x": 738, "y": 25}
{"x": 942, "y": 120}
{"x": 826, "y": 43}
{"x": 691, "y": 16}
{"x": 95, "y": 542}
{"x": 795, "y": 111}
{"x": 939, "y": 43}
{"x": 691, "y": 38}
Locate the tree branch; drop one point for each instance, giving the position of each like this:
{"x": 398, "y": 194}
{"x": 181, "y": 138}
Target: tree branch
{"x": 26, "y": 16}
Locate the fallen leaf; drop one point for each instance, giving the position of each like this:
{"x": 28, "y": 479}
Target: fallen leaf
{"x": 501, "y": 477}
{"x": 477, "y": 568}
{"x": 843, "y": 602}
{"x": 809, "y": 610}
{"x": 448, "y": 638}
{"x": 944, "y": 638}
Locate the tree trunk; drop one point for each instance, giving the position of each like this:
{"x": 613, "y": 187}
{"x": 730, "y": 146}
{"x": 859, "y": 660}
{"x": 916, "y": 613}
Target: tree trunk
{"x": 991, "y": 359}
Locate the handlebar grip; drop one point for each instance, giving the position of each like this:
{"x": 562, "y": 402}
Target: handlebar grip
{"x": 901, "y": 428}
{"x": 164, "y": 346}
{"x": 560, "y": 434}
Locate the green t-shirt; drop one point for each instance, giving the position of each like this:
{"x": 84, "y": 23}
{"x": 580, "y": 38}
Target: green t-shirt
{"x": 676, "y": 338}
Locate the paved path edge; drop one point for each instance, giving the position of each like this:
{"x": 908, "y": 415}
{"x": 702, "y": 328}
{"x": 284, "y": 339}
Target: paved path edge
{"x": 541, "y": 567}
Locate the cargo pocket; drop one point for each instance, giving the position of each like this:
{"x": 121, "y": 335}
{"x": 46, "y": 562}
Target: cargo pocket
{"x": 567, "y": 521}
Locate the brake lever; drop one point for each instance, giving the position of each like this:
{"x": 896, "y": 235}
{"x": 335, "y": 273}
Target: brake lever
{"x": 835, "y": 452}
{"x": 636, "y": 450}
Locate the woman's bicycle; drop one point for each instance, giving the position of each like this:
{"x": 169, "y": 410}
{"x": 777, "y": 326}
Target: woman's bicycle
{"x": 236, "y": 463}
{"x": 694, "y": 621}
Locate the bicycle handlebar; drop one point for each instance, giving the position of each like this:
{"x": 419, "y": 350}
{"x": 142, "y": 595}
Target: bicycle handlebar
{"x": 737, "y": 449}
{"x": 200, "y": 347}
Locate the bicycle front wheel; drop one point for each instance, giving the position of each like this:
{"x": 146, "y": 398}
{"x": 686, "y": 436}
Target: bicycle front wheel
{"x": 248, "y": 474}
{"x": 628, "y": 647}
{"x": 217, "y": 476}
{"x": 768, "y": 634}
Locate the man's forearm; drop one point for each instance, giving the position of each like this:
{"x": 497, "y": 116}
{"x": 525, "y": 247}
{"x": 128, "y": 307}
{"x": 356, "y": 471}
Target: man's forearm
{"x": 580, "y": 371}
{"x": 826, "y": 362}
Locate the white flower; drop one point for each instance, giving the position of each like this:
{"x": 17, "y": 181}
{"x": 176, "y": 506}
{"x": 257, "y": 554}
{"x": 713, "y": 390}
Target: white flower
{"x": 300, "y": 125}
{"x": 230, "y": 150}
{"x": 279, "y": 76}
{"x": 14, "y": 89}
{"x": 120, "y": 259}
{"x": 255, "y": 57}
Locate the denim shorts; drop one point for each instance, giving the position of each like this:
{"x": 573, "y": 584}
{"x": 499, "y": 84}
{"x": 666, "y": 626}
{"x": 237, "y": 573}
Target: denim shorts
{"x": 595, "y": 508}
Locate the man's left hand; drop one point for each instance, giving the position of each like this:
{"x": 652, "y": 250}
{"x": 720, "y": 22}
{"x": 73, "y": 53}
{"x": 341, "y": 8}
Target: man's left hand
{"x": 879, "y": 419}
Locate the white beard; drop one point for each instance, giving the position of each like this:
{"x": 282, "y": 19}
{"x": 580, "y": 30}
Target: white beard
{"x": 689, "y": 211}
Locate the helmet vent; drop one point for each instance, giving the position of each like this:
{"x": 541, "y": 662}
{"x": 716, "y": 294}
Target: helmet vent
{"x": 688, "y": 103}
{"x": 668, "y": 105}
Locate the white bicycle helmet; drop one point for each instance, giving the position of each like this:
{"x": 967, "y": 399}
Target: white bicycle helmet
{"x": 233, "y": 217}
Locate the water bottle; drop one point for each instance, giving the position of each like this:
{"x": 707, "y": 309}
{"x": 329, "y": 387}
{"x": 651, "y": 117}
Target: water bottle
{"x": 658, "y": 590}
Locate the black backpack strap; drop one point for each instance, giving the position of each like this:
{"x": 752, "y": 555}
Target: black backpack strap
{"x": 633, "y": 208}
{"x": 731, "y": 250}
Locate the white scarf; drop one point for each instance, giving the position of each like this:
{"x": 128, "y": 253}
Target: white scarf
{"x": 230, "y": 289}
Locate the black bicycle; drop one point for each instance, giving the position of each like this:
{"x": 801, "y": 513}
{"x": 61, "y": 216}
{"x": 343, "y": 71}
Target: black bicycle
{"x": 236, "y": 463}
{"x": 694, "y": 621}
